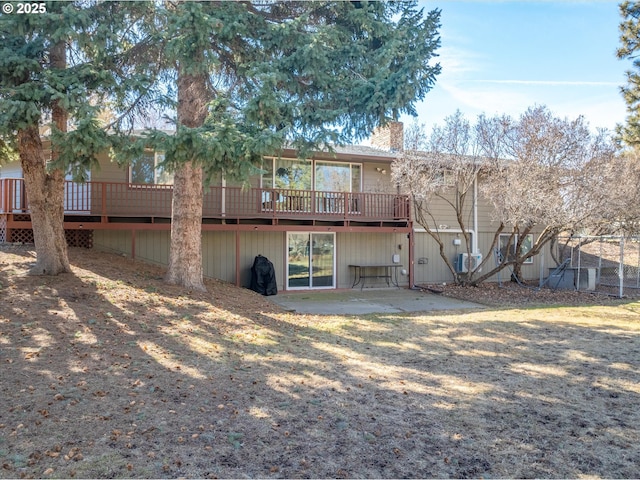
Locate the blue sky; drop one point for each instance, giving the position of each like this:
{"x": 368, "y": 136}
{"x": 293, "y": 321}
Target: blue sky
{"x": 505, "y": 56}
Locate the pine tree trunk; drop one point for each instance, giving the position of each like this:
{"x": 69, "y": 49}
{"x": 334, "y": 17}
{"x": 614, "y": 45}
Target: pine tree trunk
{"x": 185, "y": 255}
{"x": 45, "y": 193}
{"x": 45, "y": 190}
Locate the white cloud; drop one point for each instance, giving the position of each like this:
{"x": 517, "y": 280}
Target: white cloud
{"x": 488, "y": 100}
{"x": 601, "y": 107}
{"x": 551, "y": 83}
{"x": 458, "y": 63}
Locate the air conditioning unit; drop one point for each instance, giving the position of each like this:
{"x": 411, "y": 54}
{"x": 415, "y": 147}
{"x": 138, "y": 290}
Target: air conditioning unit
{"x": 466, "y": 262}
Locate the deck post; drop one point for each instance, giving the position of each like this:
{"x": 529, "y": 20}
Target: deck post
{"x": 412, "y": 246}
{"x": 237, "y": 258}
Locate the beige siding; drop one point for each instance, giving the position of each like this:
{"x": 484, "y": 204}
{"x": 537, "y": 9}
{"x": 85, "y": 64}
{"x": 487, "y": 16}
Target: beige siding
{"x": 369, "y": 248}
{"x": 445, "y": 214}
{"x": 374, "y": 181}
{"x": 219, "y": 248}
{"x": 267, "y": 244}
{"x": 219, "y": 255}
{"x": 150, "y": 246}
{"x": 116, "y": 241}
{"x": 434, "y": 270}
{"x": 109, "y": 171}
{"x": 486, "y": 223}
{"x": 153, "y": 246}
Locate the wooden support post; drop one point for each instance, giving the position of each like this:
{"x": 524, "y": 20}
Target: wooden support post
{"x": 237, "y": 258}
{"x": 412, "y": 247}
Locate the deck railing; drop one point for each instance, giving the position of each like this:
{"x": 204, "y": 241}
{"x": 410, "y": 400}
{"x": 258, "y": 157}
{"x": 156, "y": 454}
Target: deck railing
{"x": 111, "y": 199}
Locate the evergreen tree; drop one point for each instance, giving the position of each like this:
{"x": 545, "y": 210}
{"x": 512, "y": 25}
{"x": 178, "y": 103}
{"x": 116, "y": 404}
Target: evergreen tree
{"x": 251, "y": 78}
{"x": 630, "y": 44}
{"x": 57, "y": 67}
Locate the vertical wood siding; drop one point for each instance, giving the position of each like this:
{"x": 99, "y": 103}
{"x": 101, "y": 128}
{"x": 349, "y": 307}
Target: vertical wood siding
{"x": 219, "y": 255}
{"x": 435, "y": 270}
{"x": 153, "y": 246}
{"x": 116, "y": 241}
{"x": 268, "y": 244}
{"x": 369, "y": 248}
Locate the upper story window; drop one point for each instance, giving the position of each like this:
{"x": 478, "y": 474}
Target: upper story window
{"x": 445, "y": 178}
{"x": 287, "y": 174}
{"x": 284, "y": 173}
{"x": 338, "y": 177}
{"x": 147, "y": 170}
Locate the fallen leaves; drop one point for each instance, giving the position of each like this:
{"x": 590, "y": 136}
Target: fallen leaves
{"x": 352, "y": 411}
{"x": 74, "y": 454}
{"x": 54, "y": 452}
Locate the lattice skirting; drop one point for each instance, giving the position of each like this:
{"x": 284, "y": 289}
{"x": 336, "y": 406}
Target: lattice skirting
{"x": 79, "y": 238}
{"x": 75, "y": 238}
{"x": 21, "y": 235}
{"x": 3, "y": 228}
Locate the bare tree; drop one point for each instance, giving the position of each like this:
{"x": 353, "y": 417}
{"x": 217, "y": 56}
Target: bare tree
{"x": 441, "y": 171}
{"x": 540, "y": 174}
{"x": 558, "y": 181}
{"x": 620, "y": 213}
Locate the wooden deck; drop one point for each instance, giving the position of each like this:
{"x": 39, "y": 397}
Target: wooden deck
{"x": 108, "y": 205}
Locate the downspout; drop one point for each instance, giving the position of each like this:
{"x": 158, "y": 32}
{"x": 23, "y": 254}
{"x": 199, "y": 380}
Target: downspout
{"x": 475, "y": 215}
{"x": 412, "y": 247}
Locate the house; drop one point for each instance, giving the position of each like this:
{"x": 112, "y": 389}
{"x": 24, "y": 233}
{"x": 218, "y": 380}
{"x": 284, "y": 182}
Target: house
{"x": 318, "y": 220}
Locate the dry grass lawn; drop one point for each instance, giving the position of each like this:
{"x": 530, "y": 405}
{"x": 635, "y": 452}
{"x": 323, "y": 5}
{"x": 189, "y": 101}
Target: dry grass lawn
{"x": 110, "y": 373}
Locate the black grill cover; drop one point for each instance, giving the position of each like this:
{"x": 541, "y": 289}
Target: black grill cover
{"x": 263, "y": 276}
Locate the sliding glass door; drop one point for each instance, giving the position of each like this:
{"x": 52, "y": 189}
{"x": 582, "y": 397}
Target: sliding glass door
{"x": 311, "y": 260}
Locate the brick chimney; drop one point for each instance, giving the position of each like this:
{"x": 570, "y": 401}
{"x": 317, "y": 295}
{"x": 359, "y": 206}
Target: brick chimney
{"x": 390, "y": 137}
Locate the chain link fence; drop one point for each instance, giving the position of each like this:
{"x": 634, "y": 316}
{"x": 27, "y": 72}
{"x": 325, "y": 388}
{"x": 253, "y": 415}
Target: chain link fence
{"x": 605, "y": 264}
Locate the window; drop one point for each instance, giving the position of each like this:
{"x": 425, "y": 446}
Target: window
{"x": 286, "y": 174}
{"x": 321, "y": 176}
{"x": 338, "y": 177}
{"x": 527, "y": 244}
{"x": 445, "y": 178}
{"x": 147, "y": 169}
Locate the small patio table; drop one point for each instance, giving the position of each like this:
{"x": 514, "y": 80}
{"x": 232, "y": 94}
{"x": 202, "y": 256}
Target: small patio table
{"x": 388, "y": 271}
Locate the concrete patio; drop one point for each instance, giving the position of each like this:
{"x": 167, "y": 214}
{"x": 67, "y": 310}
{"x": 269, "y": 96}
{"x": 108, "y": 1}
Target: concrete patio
{"x": 361, "y": 302}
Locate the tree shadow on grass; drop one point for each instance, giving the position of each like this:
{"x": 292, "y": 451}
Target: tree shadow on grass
{"x": 145, "y": 379}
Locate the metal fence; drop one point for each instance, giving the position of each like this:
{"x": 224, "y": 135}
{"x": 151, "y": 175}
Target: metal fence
{"x": 606, "y": 264}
